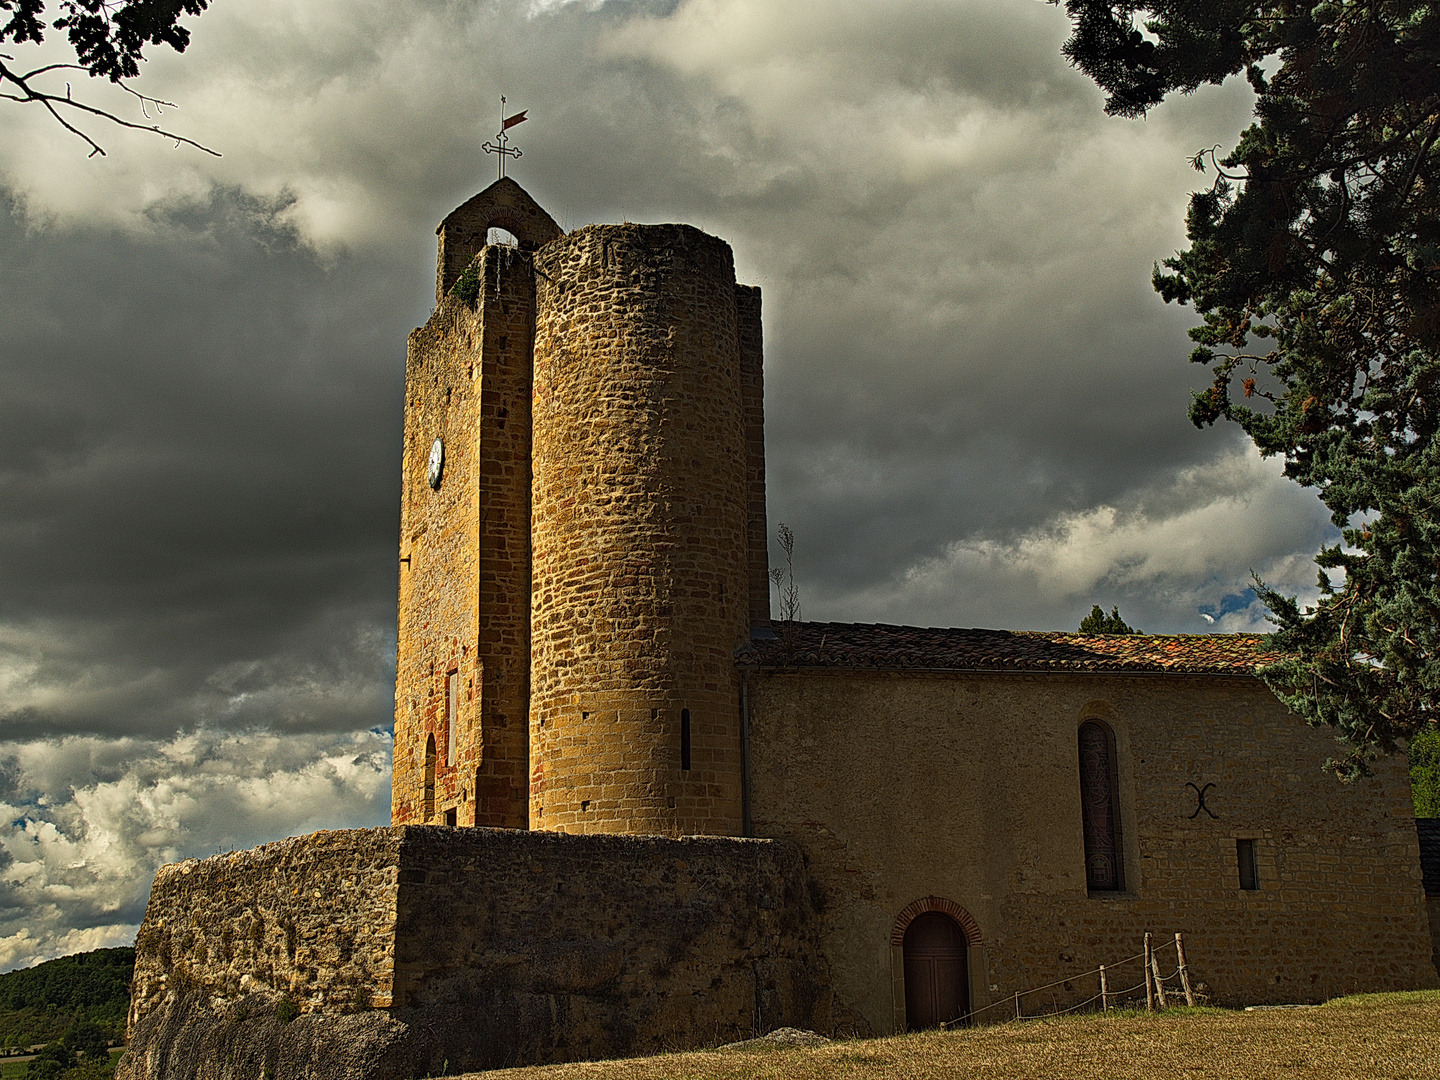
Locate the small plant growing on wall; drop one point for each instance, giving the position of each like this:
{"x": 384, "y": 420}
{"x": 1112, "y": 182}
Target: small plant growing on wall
{"x": 784, "y": 576}
{"x": 467, "y": 286}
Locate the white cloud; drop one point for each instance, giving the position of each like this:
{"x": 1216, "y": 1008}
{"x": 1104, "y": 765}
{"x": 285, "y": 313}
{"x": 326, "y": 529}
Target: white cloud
{"x": 92, "y": 819}
{"x": 1188, "y": 547}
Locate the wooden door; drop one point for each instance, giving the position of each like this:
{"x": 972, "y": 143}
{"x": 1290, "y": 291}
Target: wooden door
{"x": 936, "y": 979}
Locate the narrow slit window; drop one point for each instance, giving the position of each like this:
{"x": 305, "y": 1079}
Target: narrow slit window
{"x": 452, "y": 710}
{"x": 429, "y": 776}
{"x": 1245, "y": 857}
{"x": 685, "y": 740}
{"x": 1100, "y": 809}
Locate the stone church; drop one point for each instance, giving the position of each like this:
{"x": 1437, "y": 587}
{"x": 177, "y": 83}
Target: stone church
{"x": 632, "y": 811}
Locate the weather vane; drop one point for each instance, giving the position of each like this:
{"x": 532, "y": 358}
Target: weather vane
{"x": 501, "y": 144}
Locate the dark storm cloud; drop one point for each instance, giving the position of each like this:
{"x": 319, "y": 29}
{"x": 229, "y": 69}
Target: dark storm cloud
{"x": 962, "y": 343}
{"x": 200, "y": 428}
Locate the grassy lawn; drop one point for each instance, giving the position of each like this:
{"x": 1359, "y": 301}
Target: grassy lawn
{"x": 1374, "y": 1036}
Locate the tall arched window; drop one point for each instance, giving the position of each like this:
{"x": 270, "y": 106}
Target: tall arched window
{"x": 429, "y": 776}
{"x": 1100, "y": 808}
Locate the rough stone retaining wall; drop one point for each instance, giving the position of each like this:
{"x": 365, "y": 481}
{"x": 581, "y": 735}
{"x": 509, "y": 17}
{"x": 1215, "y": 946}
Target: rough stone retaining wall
{"x": 411, "y": 951}
{"x": 311, "y": 918}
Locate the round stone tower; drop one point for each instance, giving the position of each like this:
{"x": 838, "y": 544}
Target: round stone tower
{"x": 640, "y": 592}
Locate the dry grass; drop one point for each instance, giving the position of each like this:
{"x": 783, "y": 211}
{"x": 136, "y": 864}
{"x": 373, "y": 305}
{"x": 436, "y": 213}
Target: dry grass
{"x": 1375, "y": 1036}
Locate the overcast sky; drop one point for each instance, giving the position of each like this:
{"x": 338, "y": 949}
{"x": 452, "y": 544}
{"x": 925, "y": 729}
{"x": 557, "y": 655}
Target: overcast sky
{"x": 975, "y": 403}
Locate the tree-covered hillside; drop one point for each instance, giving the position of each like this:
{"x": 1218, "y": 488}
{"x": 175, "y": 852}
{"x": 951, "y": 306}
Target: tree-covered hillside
{"x": 42, "y": 1003}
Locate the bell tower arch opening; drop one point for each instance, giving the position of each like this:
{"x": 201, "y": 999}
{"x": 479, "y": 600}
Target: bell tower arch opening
{"x": 504, "y": 205}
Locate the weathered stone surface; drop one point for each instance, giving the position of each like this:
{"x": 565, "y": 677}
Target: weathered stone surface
{"x": 194, "y": 1037}
{"x": 751, "y": 349}
{"x": 642, "y": 588}
{"x": 596, "y": 548}
{"x": 502, "y": 205}
{"x": 464, "y": 605}
{"x": 480, "y": 947}
{"x": 965, "y": 788}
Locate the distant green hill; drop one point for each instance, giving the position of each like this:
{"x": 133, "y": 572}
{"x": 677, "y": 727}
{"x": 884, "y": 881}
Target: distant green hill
{"x": 41, "y": 1003}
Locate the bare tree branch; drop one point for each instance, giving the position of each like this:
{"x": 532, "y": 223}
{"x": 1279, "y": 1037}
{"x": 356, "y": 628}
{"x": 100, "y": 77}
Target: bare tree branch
{"x": 29, "y": 94}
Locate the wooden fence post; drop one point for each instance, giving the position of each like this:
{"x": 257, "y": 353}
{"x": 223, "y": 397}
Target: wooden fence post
{"x": 1149, "y": 977}
{"x": 1184, "y": 970}
{"x": 1159, "y": 982}
{"x": 1017, "y": 1004}
{"x": 1104, "y": 991}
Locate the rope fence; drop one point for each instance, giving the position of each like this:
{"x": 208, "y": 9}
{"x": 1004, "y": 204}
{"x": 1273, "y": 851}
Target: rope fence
{"x": 1153, "y": 982}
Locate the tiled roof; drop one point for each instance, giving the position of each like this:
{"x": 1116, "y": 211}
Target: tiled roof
{"x": 878, "y": 646}
{"x": 1429, "y": 830}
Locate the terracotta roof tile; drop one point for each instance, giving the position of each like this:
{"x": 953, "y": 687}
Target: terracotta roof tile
{"x": 878, "y": 646}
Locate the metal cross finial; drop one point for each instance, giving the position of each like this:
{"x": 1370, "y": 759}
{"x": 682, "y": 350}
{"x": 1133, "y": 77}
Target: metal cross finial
{"x": 500, "y": 145}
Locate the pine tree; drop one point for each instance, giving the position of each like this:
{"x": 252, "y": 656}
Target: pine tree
{"x": 1314, "y": 261}
{"x": 1097, "y": 622}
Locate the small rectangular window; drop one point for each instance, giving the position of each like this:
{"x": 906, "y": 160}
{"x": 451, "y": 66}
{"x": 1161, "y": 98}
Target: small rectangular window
{"x": 1245, "y": 857}
{"x": 685, "y": 739}
{"x": 452, "y": 703}
{"x": 451, "y": 817}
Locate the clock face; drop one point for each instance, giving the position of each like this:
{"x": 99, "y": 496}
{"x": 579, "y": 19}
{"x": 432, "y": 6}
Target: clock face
{"x": 437, "y": 463}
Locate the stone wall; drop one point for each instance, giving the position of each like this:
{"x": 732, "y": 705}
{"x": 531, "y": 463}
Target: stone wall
{"x": 464, "y": 606}
{"x": 596, "y": 946}
{"x": 439, "y": 565}
{"x": 311, "y": 919}
{"x": 501, "y": 759}
{"x": 752, "y": 399}
{"x": 639, "y": 543}
{"x": 965, "y": 788}
{"x": 431, "y": 948}
{"x": 504, "y": 205}
{"x": 1432, "y": 906}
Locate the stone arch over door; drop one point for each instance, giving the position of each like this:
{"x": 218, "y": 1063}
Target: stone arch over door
{"x": 928, "y": 958}
{"x": 502, "y": 205}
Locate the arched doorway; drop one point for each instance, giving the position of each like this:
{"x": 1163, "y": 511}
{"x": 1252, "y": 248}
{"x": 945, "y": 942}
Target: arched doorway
{"x": 936, "y": 974}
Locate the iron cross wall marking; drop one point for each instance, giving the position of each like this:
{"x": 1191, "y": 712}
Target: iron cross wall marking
{"x": 1200, "y": 800}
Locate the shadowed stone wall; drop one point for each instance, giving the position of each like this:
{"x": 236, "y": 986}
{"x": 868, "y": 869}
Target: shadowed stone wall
{"x": 752, "y": 399}
{"x": 966, "y": 787}
{"x": 477, "y": 947}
